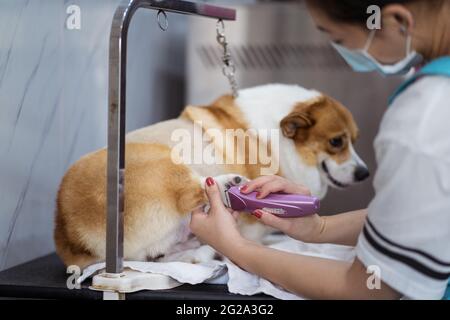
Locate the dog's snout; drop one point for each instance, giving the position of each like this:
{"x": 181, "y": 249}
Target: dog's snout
{"x": 361, "y": 173}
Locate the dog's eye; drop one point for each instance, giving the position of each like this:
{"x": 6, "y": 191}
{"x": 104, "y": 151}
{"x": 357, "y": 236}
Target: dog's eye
{"x": 337, "y": 142}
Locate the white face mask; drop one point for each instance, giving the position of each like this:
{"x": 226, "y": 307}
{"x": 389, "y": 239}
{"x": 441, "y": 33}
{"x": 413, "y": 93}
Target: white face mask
{"x": 362, "y": 60}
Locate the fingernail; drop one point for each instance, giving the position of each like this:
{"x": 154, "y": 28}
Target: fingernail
{"x": 209, "y": 181}
{"x": 257, "y": 213}
{"x": 258, "y": 194}
{"x": 244, "y": 188}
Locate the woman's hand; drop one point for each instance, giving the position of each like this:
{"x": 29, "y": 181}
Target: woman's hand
{"x": 266, "y": 185}
{"x": 218, "y": 227}
{"x": 306, "y": 229}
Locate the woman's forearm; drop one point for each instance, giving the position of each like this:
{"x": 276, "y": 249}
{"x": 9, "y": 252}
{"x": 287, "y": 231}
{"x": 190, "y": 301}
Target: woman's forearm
{"x": 342, "y": 228}
{"x": 310, "y": 277}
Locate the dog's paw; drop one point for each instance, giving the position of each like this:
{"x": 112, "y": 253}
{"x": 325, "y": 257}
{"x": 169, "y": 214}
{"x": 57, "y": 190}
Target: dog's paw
{"x": 226, "y": 181}
{"x": 203, "y": 254}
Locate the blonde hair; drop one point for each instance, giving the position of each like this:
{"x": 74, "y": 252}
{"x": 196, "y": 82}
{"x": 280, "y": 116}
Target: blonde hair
{"x": 433, "y": 25}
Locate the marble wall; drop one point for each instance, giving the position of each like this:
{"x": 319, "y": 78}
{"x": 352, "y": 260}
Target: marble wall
{"x": 53, "y": 103}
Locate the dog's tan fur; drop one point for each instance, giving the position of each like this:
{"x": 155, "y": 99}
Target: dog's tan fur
{"x": 157, "y": 194}
{"x": 160, "y": 194}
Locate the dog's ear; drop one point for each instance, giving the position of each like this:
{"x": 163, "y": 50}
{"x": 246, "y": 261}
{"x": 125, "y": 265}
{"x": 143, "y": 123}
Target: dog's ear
{"x": 293, "y": 122}
{"x": 300, "y": 117}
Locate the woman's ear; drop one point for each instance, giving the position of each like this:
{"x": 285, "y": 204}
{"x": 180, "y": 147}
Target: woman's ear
{"x": 401, "y": 15}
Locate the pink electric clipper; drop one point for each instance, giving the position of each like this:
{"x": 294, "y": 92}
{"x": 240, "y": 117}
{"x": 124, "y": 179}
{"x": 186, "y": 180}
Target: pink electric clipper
{"x": 279, "y": 204}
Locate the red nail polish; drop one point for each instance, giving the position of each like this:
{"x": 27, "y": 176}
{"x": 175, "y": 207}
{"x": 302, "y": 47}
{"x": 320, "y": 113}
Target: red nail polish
{"x": 257, "y": 214}
{"x": 244, "y": 188}
{"x": 258, "y": 194}
{"x": 209, "y": 181}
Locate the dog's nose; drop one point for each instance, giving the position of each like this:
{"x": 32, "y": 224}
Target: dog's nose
{"x": 361, "y": 173}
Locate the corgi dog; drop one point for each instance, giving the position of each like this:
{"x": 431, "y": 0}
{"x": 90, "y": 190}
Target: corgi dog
{"x": 311, "y": 143}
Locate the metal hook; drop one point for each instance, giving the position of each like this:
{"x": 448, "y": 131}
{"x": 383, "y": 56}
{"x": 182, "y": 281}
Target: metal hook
{"x": 220, "y": 27}
{"x": 163, "y": 26}
{"x": 228, "y": 68}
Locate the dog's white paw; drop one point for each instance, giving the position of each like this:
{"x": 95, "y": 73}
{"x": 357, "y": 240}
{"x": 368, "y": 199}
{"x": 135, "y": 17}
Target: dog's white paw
{"x": 203, "y": 254}
{"x": 226, "y": 181}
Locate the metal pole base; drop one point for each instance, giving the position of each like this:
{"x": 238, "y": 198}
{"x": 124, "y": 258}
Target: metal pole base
{"x": 114, "y": 296}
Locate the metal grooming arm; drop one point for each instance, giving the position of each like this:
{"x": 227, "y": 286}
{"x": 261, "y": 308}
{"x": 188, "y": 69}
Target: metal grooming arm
{"x": 117, "y": 111}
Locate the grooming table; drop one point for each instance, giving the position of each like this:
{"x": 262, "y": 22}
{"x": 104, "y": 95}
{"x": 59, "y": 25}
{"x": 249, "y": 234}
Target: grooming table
{"x": 45, "y": 278}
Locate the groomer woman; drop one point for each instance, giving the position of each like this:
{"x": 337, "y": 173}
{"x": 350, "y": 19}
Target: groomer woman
{"x": 406, "y": 229}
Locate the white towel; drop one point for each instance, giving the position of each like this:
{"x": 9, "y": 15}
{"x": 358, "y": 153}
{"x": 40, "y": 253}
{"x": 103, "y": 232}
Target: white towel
{"x": 237, "y": 280}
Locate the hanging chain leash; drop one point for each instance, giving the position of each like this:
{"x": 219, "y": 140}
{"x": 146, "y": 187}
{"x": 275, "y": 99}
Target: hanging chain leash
{"x": 228, "y": 68}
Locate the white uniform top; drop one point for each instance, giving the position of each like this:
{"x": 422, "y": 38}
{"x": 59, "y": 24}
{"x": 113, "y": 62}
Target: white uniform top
{"x": 407, "y": 234}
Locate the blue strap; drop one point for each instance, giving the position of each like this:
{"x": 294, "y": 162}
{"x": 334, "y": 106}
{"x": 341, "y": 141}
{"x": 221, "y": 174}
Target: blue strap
{"x": 447, "y": 293}
{"x": 439, "y": 67}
